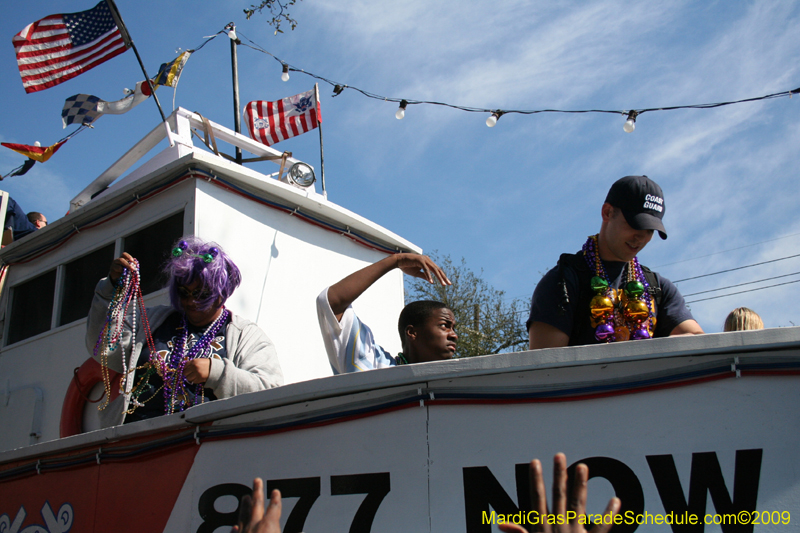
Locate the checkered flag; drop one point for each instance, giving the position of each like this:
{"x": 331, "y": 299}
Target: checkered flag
{"x": 81, "y": 109}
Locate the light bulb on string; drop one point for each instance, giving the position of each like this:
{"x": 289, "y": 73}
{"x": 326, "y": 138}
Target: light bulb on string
{"x": 630, "y": 124}
{"x": 492, "y": 120}
{"x": 401, "y": 111}
{"x": 285, "y": 75}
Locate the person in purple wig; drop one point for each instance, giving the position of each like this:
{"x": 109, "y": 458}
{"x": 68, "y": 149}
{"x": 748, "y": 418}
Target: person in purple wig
{"x": 203, "y": 351}
{"x": 189, "y": 271}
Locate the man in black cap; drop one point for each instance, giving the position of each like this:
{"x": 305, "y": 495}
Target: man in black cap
{"x": 602, "y": 293}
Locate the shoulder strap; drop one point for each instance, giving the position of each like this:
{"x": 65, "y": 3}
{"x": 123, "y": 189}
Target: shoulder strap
{"x": 652, "y": 281}
{"x": 576, "y": 263}
{"x": 582, "y": 332}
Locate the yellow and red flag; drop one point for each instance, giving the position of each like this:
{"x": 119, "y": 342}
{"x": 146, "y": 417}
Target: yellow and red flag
{"x": 37, "y": 153}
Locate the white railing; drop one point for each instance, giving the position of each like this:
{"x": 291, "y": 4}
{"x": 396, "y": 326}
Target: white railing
{"x": 178, "y": 130}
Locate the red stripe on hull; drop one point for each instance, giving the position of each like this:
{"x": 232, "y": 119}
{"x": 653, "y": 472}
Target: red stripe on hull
{"x": 103, "y": 496}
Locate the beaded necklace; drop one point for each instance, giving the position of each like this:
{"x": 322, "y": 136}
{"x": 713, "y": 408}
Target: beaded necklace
{"x": 619, "y": 315}
{"x": 127, "y": 296}
{"x": 178, "y": 393}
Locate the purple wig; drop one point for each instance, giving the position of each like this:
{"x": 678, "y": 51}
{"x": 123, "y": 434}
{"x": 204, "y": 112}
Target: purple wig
{"x": 192, "y": 258}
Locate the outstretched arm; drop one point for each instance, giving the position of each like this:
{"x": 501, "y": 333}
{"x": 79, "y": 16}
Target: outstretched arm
{"x": 345, "y": 292}
{"x": 569, "y": 510}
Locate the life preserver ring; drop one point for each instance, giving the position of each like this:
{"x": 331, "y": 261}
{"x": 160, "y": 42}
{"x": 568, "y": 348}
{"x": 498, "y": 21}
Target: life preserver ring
{"x": 84, "y": 379}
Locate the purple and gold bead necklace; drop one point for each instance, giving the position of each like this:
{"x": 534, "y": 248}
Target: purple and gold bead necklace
{"x": 619, "y": 315}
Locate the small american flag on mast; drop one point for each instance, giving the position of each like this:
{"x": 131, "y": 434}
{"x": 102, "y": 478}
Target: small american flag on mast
{"x": 272, "y": 122}
{"x": 59, "y": 47}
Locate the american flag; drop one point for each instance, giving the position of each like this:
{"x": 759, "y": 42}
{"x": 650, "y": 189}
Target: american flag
{"x": 60, "y": 47}
{"x": 271, "y": 122}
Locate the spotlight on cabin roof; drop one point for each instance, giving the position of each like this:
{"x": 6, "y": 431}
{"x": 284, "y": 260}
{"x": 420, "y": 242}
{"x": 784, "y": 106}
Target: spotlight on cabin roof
{"x": 301, "y": 175}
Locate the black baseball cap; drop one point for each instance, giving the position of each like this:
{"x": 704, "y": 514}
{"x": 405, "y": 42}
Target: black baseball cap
{"x": 641, "y": 201}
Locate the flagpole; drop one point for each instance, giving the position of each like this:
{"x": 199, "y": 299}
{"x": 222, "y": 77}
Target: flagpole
{"x": 129, "y": 42}
{"x": 237, "y": 119}
{"x": 321, "y": 153}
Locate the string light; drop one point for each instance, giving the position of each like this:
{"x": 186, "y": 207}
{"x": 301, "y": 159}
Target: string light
{"x": 492, "y": 120}
{"x": 628, "y": 127}
{"x": 401, "y": 112}
{"x": 630, "y": 124}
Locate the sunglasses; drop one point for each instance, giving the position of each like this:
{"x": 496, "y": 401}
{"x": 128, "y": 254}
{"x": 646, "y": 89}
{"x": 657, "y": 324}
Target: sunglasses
{"x": 196, "y": 295}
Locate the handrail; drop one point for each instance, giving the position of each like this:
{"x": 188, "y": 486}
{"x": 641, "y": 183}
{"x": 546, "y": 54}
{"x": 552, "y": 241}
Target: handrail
{"x": 180, "y": 122}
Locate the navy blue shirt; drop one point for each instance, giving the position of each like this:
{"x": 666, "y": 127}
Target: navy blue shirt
{"x": 17, "y": 220}
{"x": 548, "y": 295}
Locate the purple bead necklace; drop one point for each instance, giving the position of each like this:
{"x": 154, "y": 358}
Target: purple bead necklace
{"x": 177, "y": 395}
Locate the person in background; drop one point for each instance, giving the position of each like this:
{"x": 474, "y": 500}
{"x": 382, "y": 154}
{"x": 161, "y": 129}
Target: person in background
{"x": 741, "y": 319}
{"x": 18, "y": 224}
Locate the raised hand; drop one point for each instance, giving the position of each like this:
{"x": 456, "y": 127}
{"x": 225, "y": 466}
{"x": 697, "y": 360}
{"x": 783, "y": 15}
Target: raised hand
{"x": 119, "y": 264}
{"x": 252, "y": 518}
{"x": 421, "y": 266}
{"x": 569, "y": 511}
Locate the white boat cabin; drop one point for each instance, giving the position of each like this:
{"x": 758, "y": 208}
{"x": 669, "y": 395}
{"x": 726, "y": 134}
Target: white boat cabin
{"x": 288, "y": 241}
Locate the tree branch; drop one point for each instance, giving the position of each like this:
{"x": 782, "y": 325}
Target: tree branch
{"x": 278, "y": 10}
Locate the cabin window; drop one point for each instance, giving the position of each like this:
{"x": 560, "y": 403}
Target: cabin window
{"x": 80, "y": 278}
{"x": 152, "y": 246}
{"x": 31, "y": 307}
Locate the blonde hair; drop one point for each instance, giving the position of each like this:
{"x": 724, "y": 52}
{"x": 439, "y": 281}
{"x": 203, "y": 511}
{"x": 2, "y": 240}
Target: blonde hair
{"x": 741, "y": 319}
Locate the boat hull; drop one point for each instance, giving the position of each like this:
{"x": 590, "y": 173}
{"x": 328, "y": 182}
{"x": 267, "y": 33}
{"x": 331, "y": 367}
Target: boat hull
{"x": 445, "y": 448}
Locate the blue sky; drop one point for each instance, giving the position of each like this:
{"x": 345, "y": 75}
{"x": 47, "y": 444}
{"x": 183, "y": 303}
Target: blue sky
{"x": 509, "y": 199}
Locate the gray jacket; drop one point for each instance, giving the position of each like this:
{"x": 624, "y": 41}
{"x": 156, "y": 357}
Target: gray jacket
{"x": 251, "y": 363}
